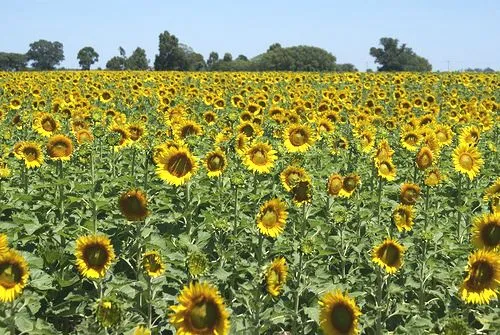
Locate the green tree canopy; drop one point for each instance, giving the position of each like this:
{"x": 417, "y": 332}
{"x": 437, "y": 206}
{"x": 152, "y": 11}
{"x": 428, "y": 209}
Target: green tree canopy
{"x": 86, "y": 57}
{"x": 45, "y": 54}
{"x": 138, "y": 60}
{"x": 10, "y": 61}
{"x": 392, "y": 57}
{"x": 297, "y": 58}
{"x": 171, "y": 56}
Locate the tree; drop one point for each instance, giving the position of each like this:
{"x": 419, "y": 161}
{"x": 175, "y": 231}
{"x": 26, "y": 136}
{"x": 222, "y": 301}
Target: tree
{"x": 242, "y": 58}
{"x": 138, "y": 60}
{"x": 398, "y": 58}
{"x": 45, "y": 54}
{"x": 273, "y": 47}
{"x": 347, "y": 67}
{"x": 213, "y": 58}
{"x": 10, "y": 61}
{"x": 86, "y": 57}
{"x": 298, "y": 58}
{"x": 116, "y": 63}
{"x": 171, "y": 56}
{"x": 227, "y": 57}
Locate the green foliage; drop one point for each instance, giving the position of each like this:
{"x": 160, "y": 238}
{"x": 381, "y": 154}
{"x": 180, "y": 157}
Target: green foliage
{"x": 213, "y": 58}
{"x": 45, "y": 54}
{"x": 347, "y": 67}
{"x": 398, "y": 58}
{"x": 10, "y": 61}
{"x": 86, "y": 57}
{"x": 298, "y": 58}
{"x": 116, "y": 63}
{"x": 171, "y": 56}
{"x": 138, "y": 60}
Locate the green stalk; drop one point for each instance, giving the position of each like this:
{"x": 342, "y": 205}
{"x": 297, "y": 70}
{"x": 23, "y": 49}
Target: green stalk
{"x": 259, "y": 254}
{"x": 61, "y": 189}
{"x": 459, "y": 203}
{"x": 132, "y": 173}
{"x": 379, "y": 200}
{"x": 380, "y": 284}
{"x": 92, "y": 191}
{"x": 150, "y": 305}
{"x": 25, "y": 179}
{"x": 421, "y": 293}
{"x": 139, "y": 248}
{"x": 235, "y": 224}
{"x": 187, "y": 200}
{"x": 296, "y": 297}
{"x": 146, "y": 170}
{"x": 12, "y": 323}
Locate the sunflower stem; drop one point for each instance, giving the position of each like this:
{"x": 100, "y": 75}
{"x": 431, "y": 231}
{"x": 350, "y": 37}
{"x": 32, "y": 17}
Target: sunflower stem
{"x": 259, "y": 254}
{"x": 187, "y": 199}
{"x": 380, "y": 284}
{"x": 426, "y": 207}
{"x": 150, "y": 304}
{"x": 139, "y": 248}
{"x": 12, "y": 323}
{"x": 421, "y": 293}
{"x": 132, "y": 173}
{"x": 146, "y": 170}
{"x": 379, "y": 200}
{"x": 235, "y": 225}
{"x": 297, "y": 319}
{"x": 61, "y": 188}
{"x": 92, "y": 190}
{"x": 459, "y": 203}
{"x": 25, "y": 179}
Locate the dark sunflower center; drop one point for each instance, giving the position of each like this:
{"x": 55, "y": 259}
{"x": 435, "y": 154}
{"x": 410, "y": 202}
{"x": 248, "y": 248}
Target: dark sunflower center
{"x": 481, "y": 274}
{"x": 466, "y": 161}
{"x": 349, "y": 184}
{"x": 269, "y": 218}
{"x": 59, "y": 149}
{"x": 410, "y": 196}
{"x": 411, "y": 139}
{"x": 259, "y": 157}
{"x": 135, "y": 133}
{"x": 403, "y": 215}
{"x": 133, "y": 205}
{"x": 301, "y": 191}
{"x": 30, "y": 154}
{"x": 209, "y": 118}
{"x": 390, "y": 254}
{"x": 204, "y": 315}
{"x": 188, "y": 131}
{"x": 215, "y": 163}
{"x": 342, "y": 318}
{"x": 10, "y": 275}
{"x": 298, "y": 137}
{"x": 106, "y": 96}
{"x": 95, "y": 255}
{"x": 335, "y": 185}
{"x": 152, "y": 264}
{"x": 248, "y": 130}
{"x": 490, "y": 235}
{"x": 179, "y": 165}
{"x": 48, "y": 124}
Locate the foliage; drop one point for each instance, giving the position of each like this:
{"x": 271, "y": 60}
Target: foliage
{"x": 86, "y": 57}
{"x": 137, "y": 61}
{"x": 392, "y": 57}
{"x": 298, "y": 58}
{"x": 10, "y": 61}
{"x": 171, "y": 56}
{"x": 45, "y": 54}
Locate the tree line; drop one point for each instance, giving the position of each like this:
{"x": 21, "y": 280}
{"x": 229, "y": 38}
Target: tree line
{"x": 173, "y": 55}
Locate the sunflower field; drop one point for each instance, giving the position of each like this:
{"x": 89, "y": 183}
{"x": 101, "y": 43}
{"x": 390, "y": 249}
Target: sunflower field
{"x": 249, "y": 203}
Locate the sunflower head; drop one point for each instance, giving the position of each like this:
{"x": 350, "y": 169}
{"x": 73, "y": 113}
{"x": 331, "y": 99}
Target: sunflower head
{"x": 109, "y": 312}
{"x": 335, "y": 183}
{"x": 276, "y": 274}
{"x": 200, "y": 310}
{"x": 176, "y": 166}
{"x": 493, "y": 191}
{"x": 403, "y": 217}
{"x": 469, "y": 135}
{"x": 152, "y": 264}
{"x": 433, "y": 177}
{"x": 302, "y": 191}
{"x": 483, "y": 277}
{"x": 45, "y": 124}
{"x": 339, "y": 314}
{"x": 424, "y": 158}
{"x": 298, "y": 138}
{"x": 349, "y": 185}
{"x": 272, "y": 218}
{"x": 291, "y": 175}
{"x": 409, "y": 194}
{"x": 260, "y": 157}
{"x": 60, "y": 147}
{"x": 215, "y": 163}
{"x": 14, "y": 273}
{"x": 32, "y": 154}
{"x": 134, "y": 205}
{"x": 84, "y": 136}
{"x": 141, "y": 330}
{"x": 4, "y": 170}
{"x": 197, "y": 263}
{"x": 388, "y": 255}
{"x": 486, "y": 231}
{"x": 94, "y": 255}
{"x": 384, "y": 151}
{"x": 386, "y": 170}
{"x": 467, "y": 160}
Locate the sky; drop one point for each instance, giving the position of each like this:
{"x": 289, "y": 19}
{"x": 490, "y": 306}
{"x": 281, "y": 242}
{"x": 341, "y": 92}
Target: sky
{"x": 451, "y": 34}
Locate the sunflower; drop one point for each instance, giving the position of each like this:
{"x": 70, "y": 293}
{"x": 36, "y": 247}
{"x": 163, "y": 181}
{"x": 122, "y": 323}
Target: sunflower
{"x": 272, "y": 218}
{"x": 291, "y": 175}
{"x": 302, "y": 191}
{"x": 386, "y": 169}
{"x": 13, "y": 275}
{"x": 15, "y": 104}
{"x": 122, "y": 137}
{"x": 403, "y": 217}
{"x": 384, "y": 151}
{"x": 260, "y": 157}
{"x": 469, "y": 135}
{"x": 45, "y": 124}
{"x": 94, "y": 255}
{"x": 486, "y": 231}
{"x": 60, "y": 147}
{"x": 483, "y": 277}
{"x": 410, "y": 139}
{"x": 200, "y": 311}
{"x": 176, "y": 166}
{"x": 388, "y": 255}
{"x": 493, "y": 191}
{"x": 339, "y": 314}
{"x": 141, "y": 330}
{"x": 134, "y": 205}
{"x": 467, "y": 160}
{"x": 249, "y": 129}
{"x": 215, "y": 163}
{"x": 84, "y": 136}
{"x": 298, "y": 138}
{"x": 433, "y": 177}
{"x": 409, "y": 193}
{"x": 210, "y": 117}
{"x": 152, "y": 263}
{"x": 105, "y": 96}
{"x": 136, "y": 131}
{"x": 424, "y": 158}
{"x": 4, "y": 170}
{"x": 444, "y": 134}
{"x": 349, "y": 185}
{"x": 335, "y": 183}
{"x": 32, "y": 154}
{"x": 4, "y": 244}
{"x": 276, "y": 274}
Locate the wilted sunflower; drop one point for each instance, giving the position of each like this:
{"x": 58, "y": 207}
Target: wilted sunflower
{"x": 59, "y": 147}
{"x": 298, "y": 138}
{"x": 483, "y": 277}
{"x": 291, "y": 175}
{"x": 260, "y": 157}
{"x": 14, "y": 275}
{"x": 276, "y": 274}
{"x": 152, "y": 263}
{"x": 349, "y": 185}
{"x": 424, "y": 158}
{"x": 467, "y": 160}
{"x": 335, "y": 183}
{"x": 386, "y": 169}
{"x": 134, "y": 205}
{"x": 176, "y": 166}
{"x": 32, "y": 154}
{"x": 486, "y": 231}
{"x": 215, "y": 163}
{"x": 409, "y": 194}
{"x": 339, "y": 314}
{"x": 272, "y": 218}
{"x": 302, "y": 191}
{"x": 433, "y": 177}
{"x": 94, "y": 255}
{"x": 403, "y": 217}
{"x": 388, "y": 255}
{"x": 200, "y": 311}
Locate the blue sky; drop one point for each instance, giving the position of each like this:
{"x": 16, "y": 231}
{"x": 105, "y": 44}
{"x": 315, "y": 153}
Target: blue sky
{"x": 465, "y": 33}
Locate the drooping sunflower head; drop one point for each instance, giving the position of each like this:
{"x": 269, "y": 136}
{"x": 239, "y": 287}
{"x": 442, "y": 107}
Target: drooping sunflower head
{"x": 433, "y": 177}
{"x": 424, "y": 158}
{"x": 298, "y": 138}
{"x": 215, "y": 163}
{"x": 467, "y": 160}
{"x": 384, "y": 151}
{"x": 176, "y": 166}
{"x": 260, "y": 157}
{"x": 59, "y": 147}
{"x": 349, "y": 185}
{"x": 291, "y": 175}
{"x": 483, "y": 277}
{"x": 14, "y": 274}
{"x": 335, "y": 183}
{"x": 134, "y": 205}
{"x": 276, "y": 275}
{"x": 94, "y": 255}
{"x": 339, "y": 314}
{"x": 200, "y": 310}
{"x": 386, "y": 169}
{"x": 32, "y": 154}
{"x": 272, "y": 218}
{"x": 302, "y": 191}
{"x": 486, "y": 231}
{"x": 388, "y": 255}
{"x": 409, "y": 193}
{"x": 153, "y": 264}
{"x": 403, "y": 217}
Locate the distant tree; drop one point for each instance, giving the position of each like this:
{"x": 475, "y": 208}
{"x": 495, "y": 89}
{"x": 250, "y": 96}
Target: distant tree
{"x": 171, "y": 56}
{"x": 242, "y": 58}
{"x": 213, "y": 58}
{"x": 227, "y": 57}
{"x": 86, "y": 57}
{"x": 45, "y": 54}
{"x": 346, "y": 68}
{"x": 392, "y": 57}
{"x": 486, "y": 70}
{"x": 116, "y": 63}
{"x": 138, "y": 60}
{"x": 10, "y": 61}
{"x": 274, "y": 46}
{"x": 298, "y": 58}
{"x": 122, "y": 52}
